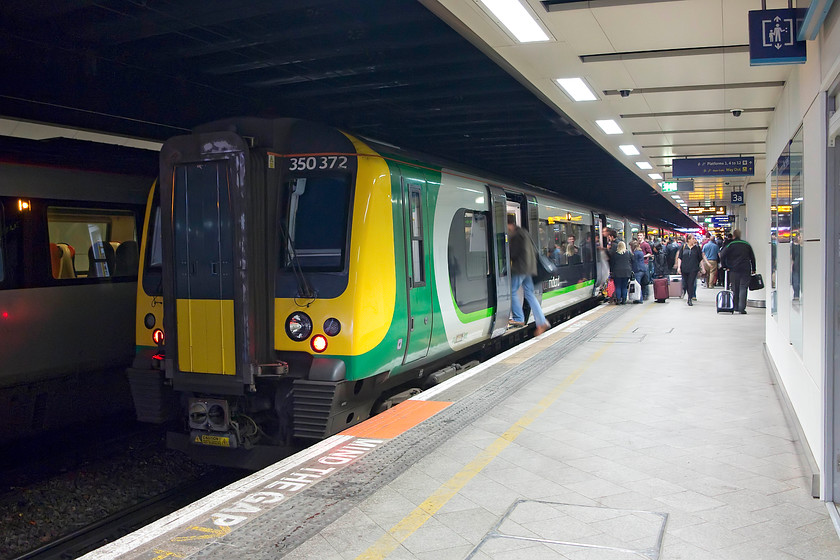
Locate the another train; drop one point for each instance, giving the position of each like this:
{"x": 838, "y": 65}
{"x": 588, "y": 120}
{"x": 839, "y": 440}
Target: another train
{"x": 294, "y": 277}
{"x": 68, "y": 273}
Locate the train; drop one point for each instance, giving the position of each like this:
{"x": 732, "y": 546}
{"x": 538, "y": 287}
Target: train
{"x": 69, "y": 249}
{"x": 295, "y": 278}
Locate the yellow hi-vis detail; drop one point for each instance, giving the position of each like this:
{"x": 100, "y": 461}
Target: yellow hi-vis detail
{"x": 206, "y": 336}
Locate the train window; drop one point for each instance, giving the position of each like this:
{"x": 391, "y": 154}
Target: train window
{"x": 318, "y": 217}
{"x": 2, "y": 244}
{"x": 469, "y": 266}
{"x": 418, "y": 272}
{"x": 92, "y": 243}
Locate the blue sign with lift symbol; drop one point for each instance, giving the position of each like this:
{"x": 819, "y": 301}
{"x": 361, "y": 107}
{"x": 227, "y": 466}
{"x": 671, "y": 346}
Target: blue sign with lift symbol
{"x": 773, "y": 37}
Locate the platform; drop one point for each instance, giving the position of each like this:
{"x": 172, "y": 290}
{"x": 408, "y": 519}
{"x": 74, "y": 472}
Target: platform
{"x": 636, "y": 431}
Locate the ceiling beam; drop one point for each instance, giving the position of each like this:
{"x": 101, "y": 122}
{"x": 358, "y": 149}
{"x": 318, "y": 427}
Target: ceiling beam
{"x": 700, "y": 87}
{"x": 663, "y": 53}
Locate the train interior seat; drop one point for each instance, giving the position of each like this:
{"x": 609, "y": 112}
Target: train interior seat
{"x": 61, "y": 260}
{"x": 127, "y": 259}
{"x": 101, "y": 257}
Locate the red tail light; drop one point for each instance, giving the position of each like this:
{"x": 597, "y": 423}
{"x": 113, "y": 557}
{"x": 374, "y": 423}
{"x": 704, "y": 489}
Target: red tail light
{"x": 157, "y": 336}
{"x": 319, "y": 343}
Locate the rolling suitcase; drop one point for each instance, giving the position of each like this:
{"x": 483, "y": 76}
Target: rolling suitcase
{"x": 660, "y": 289}
{"x": 725, "y": 301}
{"x": 675, "y": 286}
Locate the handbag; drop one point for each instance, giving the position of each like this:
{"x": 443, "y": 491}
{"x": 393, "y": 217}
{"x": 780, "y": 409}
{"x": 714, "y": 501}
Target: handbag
{"x": 545, "y": 268}
{"x": 756, "y": 282}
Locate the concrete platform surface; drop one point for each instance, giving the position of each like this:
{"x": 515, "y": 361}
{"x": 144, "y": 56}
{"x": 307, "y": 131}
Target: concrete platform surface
{"x": 637, "y": 431}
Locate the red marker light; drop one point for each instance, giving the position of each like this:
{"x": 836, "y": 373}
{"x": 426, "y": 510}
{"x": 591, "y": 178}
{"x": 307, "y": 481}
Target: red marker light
{"x": 318, "y": 343}
{"x": 157, "y": 336}
{"x": 5, "y": 315}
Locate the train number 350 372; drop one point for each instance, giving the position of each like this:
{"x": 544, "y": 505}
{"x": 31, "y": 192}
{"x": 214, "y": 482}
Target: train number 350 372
{"x": 317, "y": 162}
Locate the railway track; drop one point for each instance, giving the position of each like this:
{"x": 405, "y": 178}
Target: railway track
{"x": 123, "y": 522}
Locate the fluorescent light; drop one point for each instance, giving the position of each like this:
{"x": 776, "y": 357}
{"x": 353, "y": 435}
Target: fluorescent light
{"x": 577, "y": 89}
{"x": 609, "y": 126}
{"x": 675, "y": 196}
{"x": 629, "y": 149}
{"x": 513, "y": 15}
{"x": 644, "y": 165}
{"x": 655, "y": 176}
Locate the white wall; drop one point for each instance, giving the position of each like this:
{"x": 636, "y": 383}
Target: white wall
{"x": 803, "y": 103}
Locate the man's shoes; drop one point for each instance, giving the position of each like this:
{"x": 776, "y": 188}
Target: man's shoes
{"x": 689, "y": 301}
{"x": 742, "y": 312}
{"x": 540, "y": 329}
{"x": 515, "y": 324}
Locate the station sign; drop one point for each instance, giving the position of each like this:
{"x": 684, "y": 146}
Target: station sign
{"x": 773, "y": 37}
{"x": 737, "y": 197}
{"x": 714, "y": 167}
{"x": 707, "y": 210}
{"x": 718, "y": 221}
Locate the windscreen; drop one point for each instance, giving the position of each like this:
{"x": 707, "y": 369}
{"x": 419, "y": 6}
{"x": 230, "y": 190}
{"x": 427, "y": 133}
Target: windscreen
{"x": 317, "y": 222}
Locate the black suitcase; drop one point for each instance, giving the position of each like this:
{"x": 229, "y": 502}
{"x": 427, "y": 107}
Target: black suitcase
{"x": 725, "y": 300}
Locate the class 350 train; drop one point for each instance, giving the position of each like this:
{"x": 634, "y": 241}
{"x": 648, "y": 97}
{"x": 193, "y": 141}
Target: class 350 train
{"x": 294, "y": 278}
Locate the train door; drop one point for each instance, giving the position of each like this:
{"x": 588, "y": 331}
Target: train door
{"x": 499, "y": 210}
{"x": 418, "y": 271}
{"x": 203, "y": 255}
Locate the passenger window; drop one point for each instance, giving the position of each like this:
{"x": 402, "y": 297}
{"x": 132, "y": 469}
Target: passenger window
{"x": 469, "y": 265}
{"x": 418, "y": 272}
{"x": 92, "y": 243}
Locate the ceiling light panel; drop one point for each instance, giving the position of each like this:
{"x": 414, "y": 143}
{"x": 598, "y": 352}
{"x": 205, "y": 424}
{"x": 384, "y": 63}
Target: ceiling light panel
{"x": 517, "y": 20}
{"x": 629, "y": 149}
{"x": 644, "y": 165}
{"x": 609, "y": 126}
{"x": 576, "y": 88}
{"x": 655, "y": 176}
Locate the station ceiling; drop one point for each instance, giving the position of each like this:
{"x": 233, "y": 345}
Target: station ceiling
{"x": 388, "y": 69}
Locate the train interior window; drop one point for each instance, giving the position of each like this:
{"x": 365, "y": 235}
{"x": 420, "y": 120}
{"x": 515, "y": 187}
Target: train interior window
{"x": 469, "y": 264}
{"x": 562, "y": 242}
{"x": 317, "y": 224}
{"x": 92, "y": 243}
{"x": 418, "y": 272}
{"x": 2, "y": 244}
{"x": 475, "y": 230}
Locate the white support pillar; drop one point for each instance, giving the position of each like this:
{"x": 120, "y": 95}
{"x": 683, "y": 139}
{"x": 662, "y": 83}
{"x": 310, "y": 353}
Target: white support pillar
{"x": 755, "y": 230}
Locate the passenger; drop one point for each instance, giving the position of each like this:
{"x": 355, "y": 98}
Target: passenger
{"x": 557, "y": 255}
{"x": 572, "y": 251}
{"x": 671, "y": 251}
{"x": 711, "y": 252}
{"x": 660, "y": 261}
{"x": 523, "y": 267}
{"x": 739, "y": 258}
{"x": 639, "y": 267}
{"x": 620, "y": 268}
{"x": 688, "y": 264}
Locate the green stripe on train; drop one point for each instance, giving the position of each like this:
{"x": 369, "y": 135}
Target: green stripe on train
{"x": 567, "y": 289}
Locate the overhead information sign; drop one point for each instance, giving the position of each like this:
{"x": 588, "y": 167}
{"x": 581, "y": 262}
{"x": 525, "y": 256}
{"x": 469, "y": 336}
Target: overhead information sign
{"x": 674, "y": 186}
{"x": 707, "y": 210}
{"x": 773, "y": 37}
{"x": 714, "y": 167}
{"x": 737, "y": 197}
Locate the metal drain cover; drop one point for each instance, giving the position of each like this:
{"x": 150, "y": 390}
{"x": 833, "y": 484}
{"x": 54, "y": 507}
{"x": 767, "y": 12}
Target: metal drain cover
{"x": 559, "y": 530}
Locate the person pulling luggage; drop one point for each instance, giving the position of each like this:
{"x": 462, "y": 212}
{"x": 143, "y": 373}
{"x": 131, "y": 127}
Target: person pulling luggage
{"x": 739, "y": 258}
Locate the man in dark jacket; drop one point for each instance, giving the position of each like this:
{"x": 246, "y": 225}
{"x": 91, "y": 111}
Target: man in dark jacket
{"x": 523, "y": 266}
{"x": 739, "y": 258}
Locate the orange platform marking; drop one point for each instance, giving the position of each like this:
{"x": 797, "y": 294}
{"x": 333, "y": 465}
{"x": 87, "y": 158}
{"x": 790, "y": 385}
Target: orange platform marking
{"x": 397, "y": 420}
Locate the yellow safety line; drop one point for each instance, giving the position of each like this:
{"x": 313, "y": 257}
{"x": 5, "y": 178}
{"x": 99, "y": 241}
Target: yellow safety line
{"x": 389, "y": 542}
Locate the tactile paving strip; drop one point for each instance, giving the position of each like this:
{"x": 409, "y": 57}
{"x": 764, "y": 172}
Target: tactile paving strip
{"x": 560, "y": 529}
{"x": 295, "y": 520}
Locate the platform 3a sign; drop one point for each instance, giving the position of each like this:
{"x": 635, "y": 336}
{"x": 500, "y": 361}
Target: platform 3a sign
{"x": 773, "y": 37}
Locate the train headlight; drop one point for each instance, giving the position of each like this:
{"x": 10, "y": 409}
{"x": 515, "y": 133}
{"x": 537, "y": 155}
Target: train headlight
{"x": 332, "y": 326}
{"x": 298, "y": 326}
{"x": 318, "y": 343}
{"x": 149, "y": 321}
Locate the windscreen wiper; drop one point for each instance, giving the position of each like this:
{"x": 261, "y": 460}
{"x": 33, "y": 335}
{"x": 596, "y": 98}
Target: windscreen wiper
{"x": 304, "y": 289}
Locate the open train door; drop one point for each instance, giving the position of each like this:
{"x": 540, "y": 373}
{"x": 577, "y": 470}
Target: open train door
{"x": 501, "y": 260}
